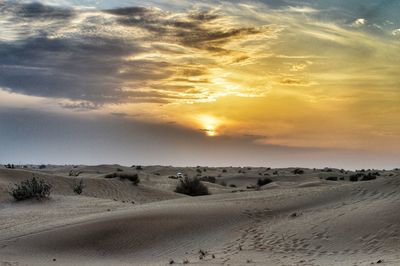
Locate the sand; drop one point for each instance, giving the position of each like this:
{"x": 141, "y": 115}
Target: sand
{"x": 295, "y": 220}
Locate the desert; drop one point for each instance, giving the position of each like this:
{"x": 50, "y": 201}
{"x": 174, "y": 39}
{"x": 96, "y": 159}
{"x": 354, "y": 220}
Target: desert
{"x": 313, "y": 217}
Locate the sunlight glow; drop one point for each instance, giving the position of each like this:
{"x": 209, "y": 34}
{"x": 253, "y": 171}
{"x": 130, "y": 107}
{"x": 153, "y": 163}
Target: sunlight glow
{"x": 209, "y": 124}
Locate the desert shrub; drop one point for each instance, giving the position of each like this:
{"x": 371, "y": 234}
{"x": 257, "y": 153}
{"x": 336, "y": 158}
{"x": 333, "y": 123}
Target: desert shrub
{"x": 275, "y": 173}
{"x": 78, "y": 187}
{"x": 198, "y": 170}
{"x": 232, "y": 185}
{"x": 9, "y": 166}
{"x": 223, "y": 183}
{"x": 112, "y": 175}
{"x": 191, "y": 187}
{"x": 209, "y": 179}
{"x": 119, "y": 170}
{"x": 31, "y": 188}
{"x": 74, "y": 173}
{"x": 134, "y": 178}
{"x": 332, "y": 178}
{"x": 298, "y": 171}
{"x": 139, "y": 168}
{"x": 369, "y": 176}
{"x": 263, "y": 181}
{"x": 224, "y": 171}
{"x": 173, "y": 177}
{"x": 42, "y": 166}
{"x": 354, "y": 178}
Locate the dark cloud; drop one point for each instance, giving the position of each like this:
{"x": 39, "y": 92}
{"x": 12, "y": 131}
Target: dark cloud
{"x": 39, "y": 11}
{"x": 193, "y": 30}
{"x": 88, "y": 62}
{"x": 81, "y": 69}
{"x": 35, "y": 11}
{"x": 80, "y": 106}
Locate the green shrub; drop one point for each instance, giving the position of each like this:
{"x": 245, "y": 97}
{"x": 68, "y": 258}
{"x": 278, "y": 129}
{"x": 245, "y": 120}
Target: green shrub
{"x": 191, "y": 187}
{"x": 31, "y": 188}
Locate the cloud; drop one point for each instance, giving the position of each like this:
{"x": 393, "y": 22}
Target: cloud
{"x": 132, "y": 54}
{"x": 196, "y": 29}
{"x": 359, "y": 22}
{"x": 39, "y": 11}
{"x": 396, "y": 32}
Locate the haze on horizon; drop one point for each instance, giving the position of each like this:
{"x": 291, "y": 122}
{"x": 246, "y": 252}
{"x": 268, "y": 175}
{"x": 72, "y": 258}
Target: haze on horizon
{"x": 259, "y": 83}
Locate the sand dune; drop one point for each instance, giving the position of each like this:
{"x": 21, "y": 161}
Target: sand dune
{"x": 296, "y": 220}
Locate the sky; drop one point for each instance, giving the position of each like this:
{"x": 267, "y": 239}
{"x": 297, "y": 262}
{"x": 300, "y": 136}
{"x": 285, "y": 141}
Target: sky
{"x": 275, "y": 83}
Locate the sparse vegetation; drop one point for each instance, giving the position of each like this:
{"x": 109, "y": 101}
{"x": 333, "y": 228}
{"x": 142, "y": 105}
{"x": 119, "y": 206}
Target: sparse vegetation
{"x": 354, "y": 178}
{"x": 224, "y": 171}
{"x": 263, "y": 181}
{"x": 31, "y": 188}
{"x": 298, "y": 171}
{"x": 332, "y": 178}
{"x": 78, "y": 187}
{"x": 223, "y": 183}
{"x": 112, "y": 175}
{"x": 9, "y": 166}
{"x": 134, "y": 178}
{"x": 370, "y": 176}
{"x": 74, "y": 173}
{"x": 209, "y": 179}
{"x": 42, "y": 166}
{"x": 232, "y": 185}
{"x": 139, "y": 167}
{"x": 362, "y": 176}
{"x": 191, "y": 187}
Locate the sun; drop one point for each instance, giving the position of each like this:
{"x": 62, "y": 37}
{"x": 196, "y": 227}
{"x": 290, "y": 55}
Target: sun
{"x": 209, "y": 124}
